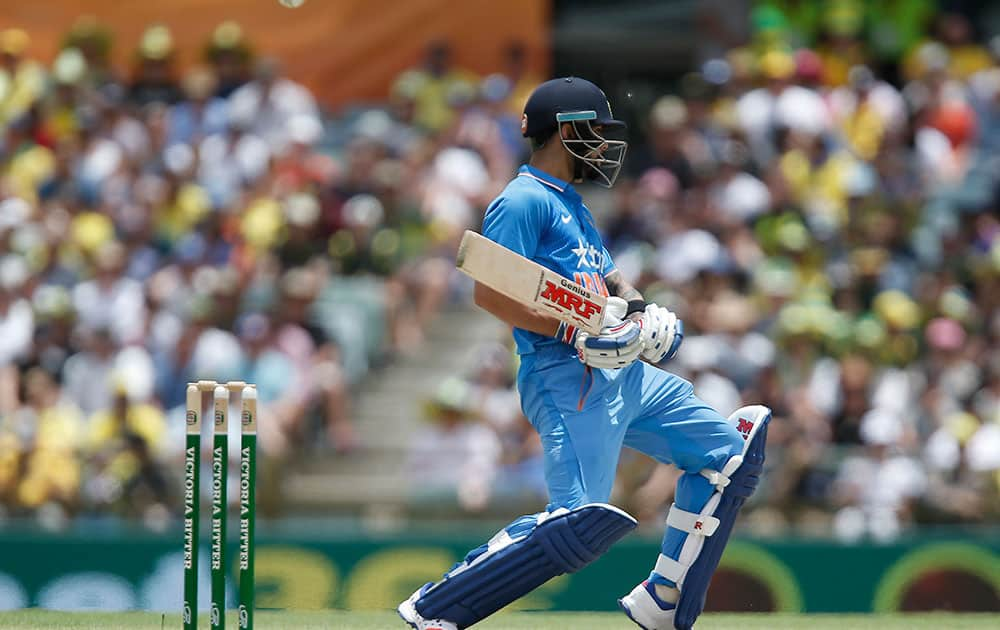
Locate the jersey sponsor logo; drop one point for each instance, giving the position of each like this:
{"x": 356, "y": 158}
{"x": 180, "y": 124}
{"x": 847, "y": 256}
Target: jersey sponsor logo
{"x": 566, "y": 218}
{"x": 590, "y": 256}
{"x": 744, "y": 427}
{"x": 570, "y": 297}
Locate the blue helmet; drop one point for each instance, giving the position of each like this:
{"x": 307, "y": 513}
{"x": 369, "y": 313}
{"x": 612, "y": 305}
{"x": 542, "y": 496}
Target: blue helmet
{"x": 598, "y": 140}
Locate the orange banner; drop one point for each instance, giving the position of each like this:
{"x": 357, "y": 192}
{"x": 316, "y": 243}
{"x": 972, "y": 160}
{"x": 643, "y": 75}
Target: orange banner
{"x": 344, "y": 50}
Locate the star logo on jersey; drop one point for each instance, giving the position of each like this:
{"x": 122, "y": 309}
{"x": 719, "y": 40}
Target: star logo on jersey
{"x": 589, "y": 255}
{"x": 582, "y": 251}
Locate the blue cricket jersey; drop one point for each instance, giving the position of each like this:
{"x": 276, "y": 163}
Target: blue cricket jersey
{"x": 543, "y": 219}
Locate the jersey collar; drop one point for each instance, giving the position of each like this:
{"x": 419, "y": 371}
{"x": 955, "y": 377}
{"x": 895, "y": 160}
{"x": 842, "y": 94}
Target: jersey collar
{"x": 564, "y": 188}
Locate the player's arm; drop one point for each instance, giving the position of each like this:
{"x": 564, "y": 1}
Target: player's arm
{"x": 516, "y": 223}
{"x": 618, "y": 286}
{"x": 514, "y": 313}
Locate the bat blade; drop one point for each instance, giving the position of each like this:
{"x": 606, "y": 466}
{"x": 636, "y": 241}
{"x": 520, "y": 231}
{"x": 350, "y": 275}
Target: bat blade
{"x": 529, "y": 283}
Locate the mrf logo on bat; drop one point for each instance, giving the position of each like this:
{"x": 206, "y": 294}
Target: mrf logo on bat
{"x": 571, "y": 297}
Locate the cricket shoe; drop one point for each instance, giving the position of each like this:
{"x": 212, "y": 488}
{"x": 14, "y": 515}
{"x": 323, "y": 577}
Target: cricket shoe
{"x": 408, "y": 611}
{"x": 647, "y": 610}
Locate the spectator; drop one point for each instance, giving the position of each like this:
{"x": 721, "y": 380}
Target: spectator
{"x": 432, "y": 83}
{"x": 90, "y": 374}
{"x": 231, "y": 161}
{"x": 316, "y": 359}
{"x": 17, "y": 319}
{"x": 93, "y": 40}
{"x": 111, "y": 300}
{"x": 274, "y": 374}
{"x": 519, "y": 475}
{"x": 229, "y": 54}
{"x": 21, "y": 79}
{"x": 274, "y": 107}
{"x": 867, "y": 110}
{"x": 878, "y": 509}
{"x": 522, "y": 79}
{"x": 200, "y": 114}
{"x": 967, "y": 56}
{"x": 125, "y": 479}
{"x": 153, "y": 79}
{"x": 842, "y": 44}
{"x": 456, "y": 456}
{"x": 667, "y": 135}
{"x": 50, "y": 429}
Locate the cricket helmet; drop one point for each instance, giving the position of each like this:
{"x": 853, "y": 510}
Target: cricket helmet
{"x": 598, "y": 139}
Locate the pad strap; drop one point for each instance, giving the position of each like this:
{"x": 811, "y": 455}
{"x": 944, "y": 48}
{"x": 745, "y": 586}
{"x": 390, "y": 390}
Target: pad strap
{"x": 670, "y": 569}
{"x": 720, "y": 479}
{"x": 699, "y": 524}
{"x": 715, "y": 478}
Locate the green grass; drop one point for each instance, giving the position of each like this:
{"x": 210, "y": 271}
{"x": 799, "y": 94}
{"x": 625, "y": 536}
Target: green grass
{"x": 340, "y": 620}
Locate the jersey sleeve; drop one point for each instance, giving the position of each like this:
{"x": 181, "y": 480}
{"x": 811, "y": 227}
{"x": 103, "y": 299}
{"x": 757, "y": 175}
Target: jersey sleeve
{"x": 517, "y": 222}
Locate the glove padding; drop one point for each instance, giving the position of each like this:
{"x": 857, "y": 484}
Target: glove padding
{"x": 615, "y": 347}
{"x": 662, "y": 334}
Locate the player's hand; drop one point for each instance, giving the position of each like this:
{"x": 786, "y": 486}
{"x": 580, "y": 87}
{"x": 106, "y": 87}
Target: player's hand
{"x": 615, "y": 347}
{"x": 662, "y": 334}
{"x": 614, "y": 313}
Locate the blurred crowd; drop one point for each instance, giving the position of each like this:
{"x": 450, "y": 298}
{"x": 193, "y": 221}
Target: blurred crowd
{"x": 819, "y": 204}
{"x": 161, "y": 224}
{"x": 823, "y": 214}
{"x": 824, "y": 217}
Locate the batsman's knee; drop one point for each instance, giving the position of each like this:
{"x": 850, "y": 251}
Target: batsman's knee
{"x": 725, "y": 442}
{"x": 748, "y": 455}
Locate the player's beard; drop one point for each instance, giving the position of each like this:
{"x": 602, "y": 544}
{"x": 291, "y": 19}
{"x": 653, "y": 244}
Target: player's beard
{"x": 578, "y": 174}
{"x": 599, "y": 159}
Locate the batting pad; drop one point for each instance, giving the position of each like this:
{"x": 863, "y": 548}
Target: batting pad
{"x": 562, "y": 542}
{"x": 741, "y": 485}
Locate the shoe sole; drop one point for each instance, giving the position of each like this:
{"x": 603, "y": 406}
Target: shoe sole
{"x": 628, "y": 613}
{"x": 405, "y": 620}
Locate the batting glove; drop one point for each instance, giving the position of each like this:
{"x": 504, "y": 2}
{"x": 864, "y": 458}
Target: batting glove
{"x": 616, "y": 346}
{"x": 662, "y": 334}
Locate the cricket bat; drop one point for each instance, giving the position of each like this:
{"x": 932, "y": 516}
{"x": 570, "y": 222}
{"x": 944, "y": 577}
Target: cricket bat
{"x": 529, "y": 283}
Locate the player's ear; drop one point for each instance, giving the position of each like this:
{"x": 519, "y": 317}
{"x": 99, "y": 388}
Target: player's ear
{"x": 567, "y": 132}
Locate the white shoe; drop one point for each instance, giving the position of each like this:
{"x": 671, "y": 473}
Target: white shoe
{"x": 408, "y": 611}
{"x": 645, "y": 609}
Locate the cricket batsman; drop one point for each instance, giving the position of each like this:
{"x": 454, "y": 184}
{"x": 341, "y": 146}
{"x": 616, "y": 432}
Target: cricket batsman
{"x": 587, "y": 395}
